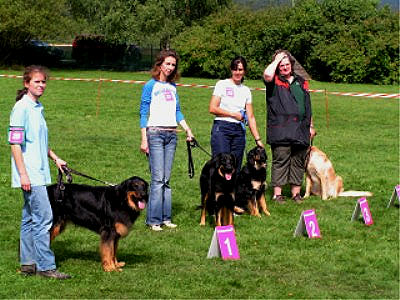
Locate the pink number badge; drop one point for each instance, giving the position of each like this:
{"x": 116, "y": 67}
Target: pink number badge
{"x": 310, "y": 220}
{"x": 365, "y": 211}
{"x": 229, "y": 92}
{"x": 227, "y": 242}
{"x": 16, "y": 135}
{"x": 168, "y": 95}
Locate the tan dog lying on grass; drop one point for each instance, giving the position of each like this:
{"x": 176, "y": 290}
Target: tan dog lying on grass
{"x": 321, "y": 179}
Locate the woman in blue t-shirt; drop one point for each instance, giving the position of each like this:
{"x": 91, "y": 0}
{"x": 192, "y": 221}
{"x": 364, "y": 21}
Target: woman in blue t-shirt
{"x": 31, "y": 173}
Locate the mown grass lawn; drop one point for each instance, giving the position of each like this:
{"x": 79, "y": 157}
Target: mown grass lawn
{"x": 95, "y": 127}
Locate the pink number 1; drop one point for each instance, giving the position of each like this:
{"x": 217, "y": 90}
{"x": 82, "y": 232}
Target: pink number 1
{"x": 228, "y": 245}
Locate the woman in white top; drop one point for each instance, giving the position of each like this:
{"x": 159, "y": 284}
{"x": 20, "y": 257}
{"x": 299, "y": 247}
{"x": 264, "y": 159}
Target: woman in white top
{"x": 231, "y": 103}
{"x": 160, "y": 114}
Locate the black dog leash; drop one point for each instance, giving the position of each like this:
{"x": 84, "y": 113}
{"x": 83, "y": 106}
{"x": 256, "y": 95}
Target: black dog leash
{"x": 190, "y": 160}
{"x": 192, "y": 144}
{"x": 59, "y": 192}
{"x": 69, "y": 171}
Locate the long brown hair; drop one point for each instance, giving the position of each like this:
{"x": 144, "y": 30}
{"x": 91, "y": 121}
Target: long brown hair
{"x": 155, "y": 71}
{"x": 27, "y": 77}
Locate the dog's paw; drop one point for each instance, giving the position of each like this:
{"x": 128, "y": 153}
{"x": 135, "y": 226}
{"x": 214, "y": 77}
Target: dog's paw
{"x": 109, "y": 267}
{"x": 120, "y": 264}
{"x": 238, "y": 210}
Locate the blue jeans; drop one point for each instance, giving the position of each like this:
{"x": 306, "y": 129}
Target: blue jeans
{"x": 228, "y": 137}
{"x": 37, "y": 219}
{"x": 162, "y": 145}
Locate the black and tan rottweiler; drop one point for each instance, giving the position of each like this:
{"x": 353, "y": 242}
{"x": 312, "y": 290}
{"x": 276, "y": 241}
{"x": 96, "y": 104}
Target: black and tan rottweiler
{"x": 250, "y": 184}
{"x": 109, "y": 211}
{"x": 217, "y": 184}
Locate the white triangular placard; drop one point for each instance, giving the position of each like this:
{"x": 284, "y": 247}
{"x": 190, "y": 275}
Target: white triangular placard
{"x": 356, "y": 212}
{"x": 395, "y": 195}
{"x": 301, "y": 227}
{"x": 214, "y": 250}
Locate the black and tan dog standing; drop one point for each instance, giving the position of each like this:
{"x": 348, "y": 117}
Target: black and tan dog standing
{"x": 217, "y": 185}
{"x": 109, "y": 211}
{"x": 251, "y": 184}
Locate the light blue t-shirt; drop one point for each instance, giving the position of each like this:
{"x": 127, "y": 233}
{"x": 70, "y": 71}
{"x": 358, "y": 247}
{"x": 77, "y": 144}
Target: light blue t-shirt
{"x": 29, "y": 114}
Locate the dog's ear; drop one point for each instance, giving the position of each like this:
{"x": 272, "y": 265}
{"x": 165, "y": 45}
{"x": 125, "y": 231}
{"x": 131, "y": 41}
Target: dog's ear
{"x": 250, "y": 157}
{"x": 264, "y": 153}
{"x": 145, "y": 183}
{"x": 217, "y": 160}
{"x": 122, "y": 187}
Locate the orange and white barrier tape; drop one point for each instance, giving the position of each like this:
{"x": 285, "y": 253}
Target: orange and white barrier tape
{"x": 352, "y": 94}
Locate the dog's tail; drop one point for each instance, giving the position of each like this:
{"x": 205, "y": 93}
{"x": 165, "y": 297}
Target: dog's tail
{"x": 355, "y": 194}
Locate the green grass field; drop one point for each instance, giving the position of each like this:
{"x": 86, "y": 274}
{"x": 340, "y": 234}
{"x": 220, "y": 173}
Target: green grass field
{"x": 96, "y": 130}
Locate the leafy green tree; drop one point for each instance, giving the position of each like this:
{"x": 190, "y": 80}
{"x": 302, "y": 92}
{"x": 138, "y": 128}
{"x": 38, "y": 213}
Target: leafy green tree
{"x": 21, "y": 21}
{"x": 156, "y": 22}
{"x": 141, "y": 21}
{"x": 113, "y": 19}
{"x": 355, "y": 42}
{"x": 335, "y": 40}
{"x": 190, "y": 11}
{"x": 207, "y": 48}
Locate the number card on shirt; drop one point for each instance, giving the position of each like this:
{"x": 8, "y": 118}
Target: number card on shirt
{"x": 395, "y": 192}
{"x": 223, "y": 243}
{"x": 362, "y": 206}
{"x": 308, "y": 223}
{"x": 16, "y": 135}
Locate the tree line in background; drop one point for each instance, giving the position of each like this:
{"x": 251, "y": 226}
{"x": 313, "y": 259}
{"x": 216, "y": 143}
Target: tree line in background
{"x": 352, "y": 41}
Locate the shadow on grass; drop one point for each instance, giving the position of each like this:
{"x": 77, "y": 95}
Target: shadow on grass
{"x": 65, "y": 251}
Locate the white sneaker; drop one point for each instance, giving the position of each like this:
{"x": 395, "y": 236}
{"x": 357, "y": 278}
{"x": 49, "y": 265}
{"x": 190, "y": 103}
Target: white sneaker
{"x": 156, "y": 227}
{"x": 169, "y": 224}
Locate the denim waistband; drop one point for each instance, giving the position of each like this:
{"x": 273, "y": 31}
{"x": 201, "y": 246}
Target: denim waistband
{"x": 162, "y": 128}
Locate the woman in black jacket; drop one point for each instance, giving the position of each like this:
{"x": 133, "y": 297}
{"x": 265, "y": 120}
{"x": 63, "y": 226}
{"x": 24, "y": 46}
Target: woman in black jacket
{"x": 289, "y": 124}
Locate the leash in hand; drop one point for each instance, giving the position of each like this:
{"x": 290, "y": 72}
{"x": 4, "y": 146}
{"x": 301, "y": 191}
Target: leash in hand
{"x": 193, "y": 144}
{"x": 68, "y": 171}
